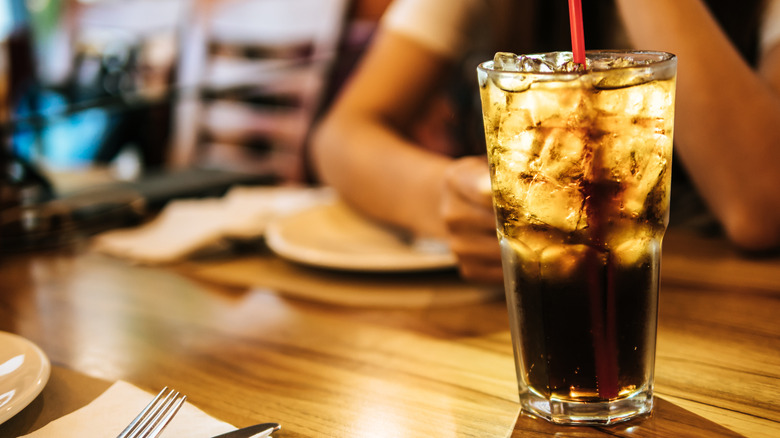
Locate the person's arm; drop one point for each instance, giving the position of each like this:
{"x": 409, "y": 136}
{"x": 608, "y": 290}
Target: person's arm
{"x": 362, "y": 148}
{"x": 727, "y": 128}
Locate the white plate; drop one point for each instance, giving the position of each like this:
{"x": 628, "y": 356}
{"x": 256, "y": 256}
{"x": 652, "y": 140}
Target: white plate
{"x": 24, "y": 371}
{"x": 331, "y": 235}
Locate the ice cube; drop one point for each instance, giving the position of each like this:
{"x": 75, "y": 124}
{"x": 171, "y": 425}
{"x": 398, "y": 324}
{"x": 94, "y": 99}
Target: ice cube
{"x": 659, "y": 100}
{"x": 569, "y": 261}
{"x": 536, "y": 238}
{"x": 506, "y": 61}
{"x": 639, "y": 159}
{"x": 542, "y": 195}
{"x": 553, "y": 104}
{"x": 506, "y": 77}
{"x": 510, "y": 160}
{"x": 520, "y": 149}
{"x": 655, "y": 173}
{"x": 624, "y": 102}
{"x": 536, "y": 65}
{"x": 618, "y": 79}
{"x": 525, "y": 258}
{"x": 549, "y": 62}
{"x": 600, "y": 63}
{"x": 636, "y": 251}
{"x": 563, "y": 155}
{"x": 513, "y": 82}
{"x": 545, "y": 201}
{"x": 543, "y": 63}
{"x": 616, "y": 62}
{"x": 573, "y": 67}
{"x": 650, "y": 100}
{"x": 510, "y": 169}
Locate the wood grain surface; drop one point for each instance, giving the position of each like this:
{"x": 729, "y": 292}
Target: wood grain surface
{"x": 249, "y": 354}
{"x": 262, "y": 269}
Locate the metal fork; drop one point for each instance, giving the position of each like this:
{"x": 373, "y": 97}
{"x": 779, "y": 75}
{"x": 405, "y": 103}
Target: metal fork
{"x": 155, "y": 416}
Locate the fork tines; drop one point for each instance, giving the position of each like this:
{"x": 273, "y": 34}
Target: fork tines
{"x": 155, "y": 416}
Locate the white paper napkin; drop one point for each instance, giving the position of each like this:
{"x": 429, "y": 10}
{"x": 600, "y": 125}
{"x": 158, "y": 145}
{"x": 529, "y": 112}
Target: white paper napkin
{"x": 186, "y": 227}
{"x": 113, "y": 410}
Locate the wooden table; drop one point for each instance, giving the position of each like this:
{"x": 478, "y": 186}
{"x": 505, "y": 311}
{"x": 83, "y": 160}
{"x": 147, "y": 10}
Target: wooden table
{"x": 247, "y": 354}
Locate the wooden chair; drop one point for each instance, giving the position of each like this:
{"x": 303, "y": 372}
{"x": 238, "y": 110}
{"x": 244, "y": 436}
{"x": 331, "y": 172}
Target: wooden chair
{"x": 262, "y": 72}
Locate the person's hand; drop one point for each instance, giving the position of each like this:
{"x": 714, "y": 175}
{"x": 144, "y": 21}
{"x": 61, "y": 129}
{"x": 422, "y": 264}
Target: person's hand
{"x": 467, "y": 211}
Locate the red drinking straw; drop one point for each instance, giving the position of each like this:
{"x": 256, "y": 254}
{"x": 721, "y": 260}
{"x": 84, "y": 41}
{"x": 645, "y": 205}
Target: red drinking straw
{"x": 577, "y": 33}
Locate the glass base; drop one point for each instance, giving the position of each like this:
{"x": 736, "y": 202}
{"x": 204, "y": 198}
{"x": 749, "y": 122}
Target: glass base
{"x": 587, "y": 413}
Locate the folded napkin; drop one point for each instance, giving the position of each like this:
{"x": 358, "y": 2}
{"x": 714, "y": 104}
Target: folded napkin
{"x": 113, "y": 410}
{"x": 186, "y": 227}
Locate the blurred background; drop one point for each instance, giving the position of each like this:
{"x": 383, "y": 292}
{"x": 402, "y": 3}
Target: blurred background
{"x": 166, "y": 98}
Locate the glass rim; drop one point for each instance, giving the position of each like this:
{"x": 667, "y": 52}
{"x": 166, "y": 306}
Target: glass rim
{"x": 663, "y": 59}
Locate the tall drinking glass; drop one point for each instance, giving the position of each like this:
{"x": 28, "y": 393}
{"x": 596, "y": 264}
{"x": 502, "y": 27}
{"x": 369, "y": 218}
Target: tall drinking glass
{"x": 580, "y": 166}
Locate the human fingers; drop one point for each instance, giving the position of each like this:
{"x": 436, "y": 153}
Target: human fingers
{"x": 469, "y": 177}
{"x": 481, "y": 270}
{"x": 461, "y": 208}
{"x": 475, "y": 245}
{"x": 460, "y": 217}
{"x": 477, "y": 252}
{"x": 467, "y": 210}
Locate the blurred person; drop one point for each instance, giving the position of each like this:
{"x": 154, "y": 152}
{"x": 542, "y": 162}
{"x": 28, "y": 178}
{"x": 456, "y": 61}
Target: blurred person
{"x": 400, "y": 152}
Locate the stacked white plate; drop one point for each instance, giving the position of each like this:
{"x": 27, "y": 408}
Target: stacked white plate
{"x": 24, "y": 371}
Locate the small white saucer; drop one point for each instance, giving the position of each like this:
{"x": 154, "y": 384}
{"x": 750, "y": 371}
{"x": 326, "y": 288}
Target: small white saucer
{"x": 331, "y": 235}
{"x": 24, "y": 371}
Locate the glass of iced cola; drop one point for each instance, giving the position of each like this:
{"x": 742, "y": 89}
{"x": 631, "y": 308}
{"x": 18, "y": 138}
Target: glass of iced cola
{"x": 580, "y": 163}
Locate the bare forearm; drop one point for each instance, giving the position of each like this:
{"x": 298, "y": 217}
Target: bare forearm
{"x": 361, "y": 148}
{"x": 727, "y": 116}
{"x": 376, "y": 170}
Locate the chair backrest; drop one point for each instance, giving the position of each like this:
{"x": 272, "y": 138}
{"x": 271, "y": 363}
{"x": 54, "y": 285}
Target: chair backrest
{"x": 263, "y": 70}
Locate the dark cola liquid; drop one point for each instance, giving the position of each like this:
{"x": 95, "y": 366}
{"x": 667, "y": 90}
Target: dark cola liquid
{"x": 583, "y": 320}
